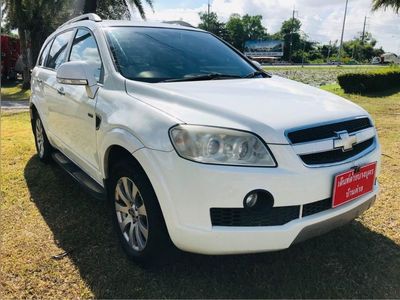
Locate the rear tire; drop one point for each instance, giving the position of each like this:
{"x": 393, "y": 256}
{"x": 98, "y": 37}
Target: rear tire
{"x": 136, "y": 214}
{"x": 43, "y": 147}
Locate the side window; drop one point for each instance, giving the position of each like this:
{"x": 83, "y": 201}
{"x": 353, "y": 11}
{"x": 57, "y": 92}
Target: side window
{"x": 43, "y": 56}
{"x": 84, "y": 48}
{"x": 58, "y": 51}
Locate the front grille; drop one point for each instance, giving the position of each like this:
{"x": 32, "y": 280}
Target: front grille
{"x": 328, "y": 131}
{"x": 243, "y": 217}
{"x": 316, "y": 207}
{"x": 335, "y": 156}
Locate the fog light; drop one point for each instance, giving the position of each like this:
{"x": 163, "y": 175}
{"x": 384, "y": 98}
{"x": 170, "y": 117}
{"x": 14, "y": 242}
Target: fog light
{"x": 251, "y": 200}
{"x": 258, "y": 201}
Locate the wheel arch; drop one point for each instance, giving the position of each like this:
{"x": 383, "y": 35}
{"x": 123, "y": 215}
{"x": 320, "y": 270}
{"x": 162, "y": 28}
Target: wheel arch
{"x": 33, "y": 112}
{"x": 116, "y": 141}
{"x": 116, "y": 153}
{"x": 113, "y": 154}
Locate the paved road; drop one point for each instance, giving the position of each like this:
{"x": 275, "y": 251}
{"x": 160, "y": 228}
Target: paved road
{"x": 8, "y": 105}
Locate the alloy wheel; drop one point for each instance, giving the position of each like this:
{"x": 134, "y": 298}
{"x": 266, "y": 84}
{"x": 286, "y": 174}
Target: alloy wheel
{"x": 39, "y": 137}
{"x": 131, "y": 213}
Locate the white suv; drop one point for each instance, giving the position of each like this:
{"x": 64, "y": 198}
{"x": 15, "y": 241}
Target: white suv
{"x": 192, "y": 144}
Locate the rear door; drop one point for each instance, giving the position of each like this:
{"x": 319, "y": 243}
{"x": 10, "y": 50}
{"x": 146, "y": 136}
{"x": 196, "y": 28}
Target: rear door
{"x": 39, "y": 76}
{"x": 52, "y": 90}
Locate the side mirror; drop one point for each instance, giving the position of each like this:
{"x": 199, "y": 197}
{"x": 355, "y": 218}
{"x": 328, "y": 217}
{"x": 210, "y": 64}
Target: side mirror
{"x": 78, "y": 73}
{"x": 257, "y": 64}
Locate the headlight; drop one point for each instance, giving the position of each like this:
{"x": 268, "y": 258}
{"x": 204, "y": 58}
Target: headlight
{"x": 214, "y": 145}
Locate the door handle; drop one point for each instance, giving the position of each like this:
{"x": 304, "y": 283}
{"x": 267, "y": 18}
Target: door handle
{"x": 60, "y": 90}
{"x": 39, "y": 80}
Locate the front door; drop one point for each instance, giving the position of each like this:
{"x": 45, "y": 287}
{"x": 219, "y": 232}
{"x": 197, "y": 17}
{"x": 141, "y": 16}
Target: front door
{"x": 79, "y": 125}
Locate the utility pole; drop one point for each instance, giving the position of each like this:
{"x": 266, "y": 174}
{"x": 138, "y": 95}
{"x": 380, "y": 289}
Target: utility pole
{"x": 363, "y": 34}
{"x": 329, "y": 51}
{"x": 304, "y": 49}
{"x": 341, "y": 39}
{"x": 291, "y": 36}
{"x": 208, "y": 15}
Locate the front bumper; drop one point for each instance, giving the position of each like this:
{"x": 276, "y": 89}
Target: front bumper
{"x": 187, "y": 191}
{"x": 234, "y": 240}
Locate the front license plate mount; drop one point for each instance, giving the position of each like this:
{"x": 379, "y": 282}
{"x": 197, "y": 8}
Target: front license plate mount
{"x": 353, "y": 184}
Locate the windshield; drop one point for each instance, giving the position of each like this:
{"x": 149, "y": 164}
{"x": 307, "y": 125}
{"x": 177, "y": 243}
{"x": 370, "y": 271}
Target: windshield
{"x": 162, "y": 54}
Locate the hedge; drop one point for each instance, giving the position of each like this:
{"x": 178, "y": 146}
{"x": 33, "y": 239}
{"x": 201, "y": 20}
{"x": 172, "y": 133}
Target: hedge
{"x": 375, "y": 81}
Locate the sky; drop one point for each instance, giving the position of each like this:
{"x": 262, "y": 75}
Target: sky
{"x": 321, "y": 19}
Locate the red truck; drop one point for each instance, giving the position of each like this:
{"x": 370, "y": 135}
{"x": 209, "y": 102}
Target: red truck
{"x": 10, "y": 52}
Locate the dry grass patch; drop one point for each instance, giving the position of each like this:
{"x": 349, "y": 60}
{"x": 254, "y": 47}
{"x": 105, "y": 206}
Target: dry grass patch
{"x": 44, "y": 213}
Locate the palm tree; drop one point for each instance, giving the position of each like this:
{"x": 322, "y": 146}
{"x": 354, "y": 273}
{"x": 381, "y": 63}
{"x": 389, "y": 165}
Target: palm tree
{"x": 91, "y": 6}
{"x": 35, "y": 20}
{"x": 377, "y": 4}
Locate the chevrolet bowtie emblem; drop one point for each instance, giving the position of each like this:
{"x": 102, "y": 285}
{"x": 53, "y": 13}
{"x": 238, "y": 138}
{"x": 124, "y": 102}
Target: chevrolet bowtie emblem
{"x": 344, "y": 141}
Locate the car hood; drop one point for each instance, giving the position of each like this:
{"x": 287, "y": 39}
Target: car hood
{"x": 266, "y": 106}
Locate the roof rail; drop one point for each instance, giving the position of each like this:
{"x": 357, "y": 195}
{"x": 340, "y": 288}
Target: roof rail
{"x": 90, "y": 17}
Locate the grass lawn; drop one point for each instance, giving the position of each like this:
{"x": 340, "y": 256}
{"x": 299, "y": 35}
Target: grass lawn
{"x": 13, "y": 91}
{"x": 44, "y": 213}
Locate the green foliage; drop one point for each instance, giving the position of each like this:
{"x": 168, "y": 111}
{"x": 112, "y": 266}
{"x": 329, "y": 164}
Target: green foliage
{"x": 329, "y": 50}
{"x": 211, "y": 23}
{"x": 6, "y": 29}
{"x": 378, "y": 4}
{"x": 253, "y": 28}
{"x": 113, "y": 9}
{"x": 38, "y": 19}
{"x": 370, "y": 82}
{"x": 235, "y": 29}
{"x": 289, "y": 26}
{"x": 35, "y": 20}
{"x": 290, "y": 33}
{"x": 117, "y": 9}
{"x": 361, "y": 49}
{"x": 297, "y": 47}
{"x": 241, "y": 29}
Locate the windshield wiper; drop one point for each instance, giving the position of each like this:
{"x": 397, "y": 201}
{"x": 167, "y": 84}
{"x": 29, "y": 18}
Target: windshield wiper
{"x": 210, "y": 76}
{"x": 257, "y": 74}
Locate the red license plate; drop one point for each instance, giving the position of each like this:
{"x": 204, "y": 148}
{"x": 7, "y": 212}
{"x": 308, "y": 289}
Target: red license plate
{"x": 353, "y": 184}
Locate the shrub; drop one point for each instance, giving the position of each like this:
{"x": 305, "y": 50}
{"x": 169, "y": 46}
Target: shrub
{"x": 370, "y": 82}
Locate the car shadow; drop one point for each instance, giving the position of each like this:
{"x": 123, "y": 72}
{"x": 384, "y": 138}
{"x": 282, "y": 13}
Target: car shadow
{"x": 351, "y": 262}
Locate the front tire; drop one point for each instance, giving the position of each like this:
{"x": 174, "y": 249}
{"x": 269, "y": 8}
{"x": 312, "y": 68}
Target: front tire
{"x": 42, "y": 143}
{"x": 136, "y": 214}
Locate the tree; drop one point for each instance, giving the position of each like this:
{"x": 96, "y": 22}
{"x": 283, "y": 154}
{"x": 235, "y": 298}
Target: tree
{"x": 35, "y": 20}
{"x": 290, "y": 33}
{"x": 211, "y": 23}
{"x": 253, "y": 28}
{"x": 378, "y": 4}
{"x": 362, "y": 50}
{"x": 241, "y": 29}
{"x": 92, "y": 6}
{"x": 6, "y": 28}
{"x": 330, "y": 50}
{"x": 113, "y": 9}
